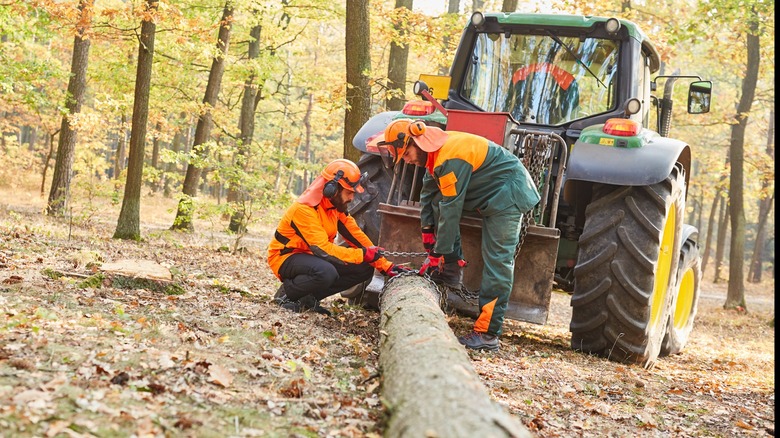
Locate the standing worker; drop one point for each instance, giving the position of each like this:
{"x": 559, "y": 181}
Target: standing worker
{"x": 303, "y": 254}
{"x": 466, "y": 172}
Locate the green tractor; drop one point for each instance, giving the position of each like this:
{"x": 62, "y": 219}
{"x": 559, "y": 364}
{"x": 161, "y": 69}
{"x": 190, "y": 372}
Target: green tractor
{"x": 575, "y": 98}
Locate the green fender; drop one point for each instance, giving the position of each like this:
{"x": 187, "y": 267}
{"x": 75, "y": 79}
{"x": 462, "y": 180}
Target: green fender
{"x": 636, "y": 161}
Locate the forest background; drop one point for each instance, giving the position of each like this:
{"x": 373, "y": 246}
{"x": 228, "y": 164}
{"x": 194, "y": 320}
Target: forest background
{"x": 232, "y": 106}
{"x": 211, "y": 116}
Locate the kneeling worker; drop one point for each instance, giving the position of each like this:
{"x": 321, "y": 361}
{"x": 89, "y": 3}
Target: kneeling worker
{"x": 303, "y": 254}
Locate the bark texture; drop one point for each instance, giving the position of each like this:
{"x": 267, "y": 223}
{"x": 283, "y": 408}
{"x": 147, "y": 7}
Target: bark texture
{"x": 429, "y": 384}
{"x": 128, "y": 225}
{"x": 59, "y": 193}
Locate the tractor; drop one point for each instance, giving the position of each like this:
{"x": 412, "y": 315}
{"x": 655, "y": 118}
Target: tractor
{"x": 577, "y": 100}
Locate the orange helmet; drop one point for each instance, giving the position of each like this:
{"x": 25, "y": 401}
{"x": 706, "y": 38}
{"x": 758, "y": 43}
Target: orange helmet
{"x": 397, "y": 136}
{"x": 346, "y": 173}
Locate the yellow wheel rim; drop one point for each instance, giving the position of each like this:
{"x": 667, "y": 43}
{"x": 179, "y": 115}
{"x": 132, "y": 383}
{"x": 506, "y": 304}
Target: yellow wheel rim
{"x": 663, "y": 269}
{"x": 684, "y": 299}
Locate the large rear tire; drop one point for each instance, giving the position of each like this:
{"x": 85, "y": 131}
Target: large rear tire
{"x": 625, "y": 271}
{"x": 686, "y": 301}
{"x": 364, "y": 206}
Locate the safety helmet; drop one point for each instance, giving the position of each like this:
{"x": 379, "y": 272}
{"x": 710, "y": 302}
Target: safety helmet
{"x": 346, "y": 173}
{"x": 398, "y": 134}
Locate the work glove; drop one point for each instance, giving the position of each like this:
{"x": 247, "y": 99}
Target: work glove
{"x": 432, "y": 263}
{"x": 428, "y": 239}
{"x": 372, "y": 254}
{"x": 396, "y": 269}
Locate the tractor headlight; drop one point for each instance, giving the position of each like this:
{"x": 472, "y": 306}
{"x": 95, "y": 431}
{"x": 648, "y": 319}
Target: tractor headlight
{"x": 612, "y": 26}
{"x": 477, "y": 19}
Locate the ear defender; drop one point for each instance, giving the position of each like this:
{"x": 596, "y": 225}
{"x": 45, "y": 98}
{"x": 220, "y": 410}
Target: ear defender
{"x": 417, "y": 128}
{"x": 332, "y": 186}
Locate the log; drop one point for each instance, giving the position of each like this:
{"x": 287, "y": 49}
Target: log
{"x": 429, "y": 386}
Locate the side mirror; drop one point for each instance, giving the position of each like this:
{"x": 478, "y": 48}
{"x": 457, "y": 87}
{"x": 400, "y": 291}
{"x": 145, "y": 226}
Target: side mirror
{"x": 699, "y": 95}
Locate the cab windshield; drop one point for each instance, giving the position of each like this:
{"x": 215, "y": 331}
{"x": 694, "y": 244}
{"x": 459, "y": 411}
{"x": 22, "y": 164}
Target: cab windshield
{"x": 538, "y": 80}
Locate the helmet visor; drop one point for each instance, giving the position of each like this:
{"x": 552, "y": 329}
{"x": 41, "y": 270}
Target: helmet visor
{"x": 398, "y": 146}
{"x": 360, "y": 184}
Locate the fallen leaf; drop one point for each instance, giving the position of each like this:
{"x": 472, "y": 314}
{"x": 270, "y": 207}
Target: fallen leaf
{"x": 744, "y": 425}
{"x": 220, "y": 376}
{"x": 14, "y": 279}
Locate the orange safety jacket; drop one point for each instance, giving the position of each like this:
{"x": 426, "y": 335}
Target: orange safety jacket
{"x": 312, "y": 230}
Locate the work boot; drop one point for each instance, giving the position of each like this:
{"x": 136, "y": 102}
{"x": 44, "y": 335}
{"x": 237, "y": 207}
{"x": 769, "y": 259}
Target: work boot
{"x": 301, "y": 305}
{"x": 479, "y": 341}
{"x": 450, "y": 275}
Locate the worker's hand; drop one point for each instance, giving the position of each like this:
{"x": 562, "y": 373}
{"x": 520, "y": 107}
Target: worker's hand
{"x": 396, "y": 269}
{"x": 432, "y": 263}
{"x": 372, "y": 254}
{"x": 428, "y": 239}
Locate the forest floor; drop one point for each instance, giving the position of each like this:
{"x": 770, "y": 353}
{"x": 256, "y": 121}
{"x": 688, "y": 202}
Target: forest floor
{"x": 81, "y": 355}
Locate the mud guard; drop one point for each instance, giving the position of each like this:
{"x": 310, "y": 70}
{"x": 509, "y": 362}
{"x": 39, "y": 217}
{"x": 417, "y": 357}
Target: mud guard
{"x": 641, "y": 166}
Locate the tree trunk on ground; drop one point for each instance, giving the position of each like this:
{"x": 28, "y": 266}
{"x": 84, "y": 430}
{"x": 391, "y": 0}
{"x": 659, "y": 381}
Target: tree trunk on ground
{"x": 183, "y": 220}
{"x": 77, "y": 85}
{"x": 128, "y": 226}
{"x": 428, "y": 381}
{"x": 399, "y": 57}
{"x": 358, "y": 63}
{"x": 735, "y": 296}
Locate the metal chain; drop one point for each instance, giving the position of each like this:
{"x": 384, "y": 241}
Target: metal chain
{"x": 405, "y": 254}
{"x": 441, "y": 296}
{"x": 536, "y": 148}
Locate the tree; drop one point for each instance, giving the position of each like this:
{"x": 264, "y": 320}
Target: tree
{"x": 253, "y": 92}
{"x": 128, "y": 225}
{"x": 509, "y": 6}
{"x": 399, "y": 56}
{"x": 764, "y": 207}
{"x": 736, "y": 290}
{"x": 358, "y": 63}
{"x": 183, "y": 220}
{"x": 77, "y": 84}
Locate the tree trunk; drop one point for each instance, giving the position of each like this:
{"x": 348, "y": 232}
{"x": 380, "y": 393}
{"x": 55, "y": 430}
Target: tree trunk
{"x": 509, "y": 6}
{"x": 710, "y": 232}
{"x": 399, "y": 57}
{"x": 128, "y": 226}
{"x": 46, "y": 162}
{"x": 183, "y": 220}
{"x": 428, "y": 381}
{"x": 307, "y": 143}
{"x": 764, "y": 207}
{"x": 77, "y": 85}
{"x": 453, "y": 6}
{"x": 736, "y": 290}
{"x": 119, "y": 158}
{"x": 358, "y": 62}
{"x": 720, "y": 246}
{"x": 246, "y": 126}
